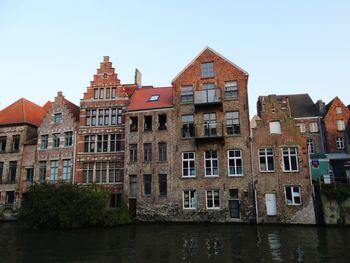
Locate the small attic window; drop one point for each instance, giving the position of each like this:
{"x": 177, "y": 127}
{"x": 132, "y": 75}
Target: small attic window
{"x": 154, "y": 98}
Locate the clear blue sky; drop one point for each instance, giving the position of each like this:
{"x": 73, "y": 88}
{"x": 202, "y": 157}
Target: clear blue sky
{"x": 286, "y": 46}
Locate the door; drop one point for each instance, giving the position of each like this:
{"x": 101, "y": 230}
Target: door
{"x": 271, "y": 204}
{"x": 234, "y": 208}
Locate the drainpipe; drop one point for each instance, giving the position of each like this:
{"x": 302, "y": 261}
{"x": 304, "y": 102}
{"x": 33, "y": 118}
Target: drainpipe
{"x": 321, "y": 131}
{"x": 74, "y": 156}
{"x": 311, "y": 184}
{"x": 253, "y": 179}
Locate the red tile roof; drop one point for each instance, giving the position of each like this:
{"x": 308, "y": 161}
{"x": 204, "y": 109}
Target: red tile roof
{"x": 22, "y": 111}
{"x": 140, "y": 99}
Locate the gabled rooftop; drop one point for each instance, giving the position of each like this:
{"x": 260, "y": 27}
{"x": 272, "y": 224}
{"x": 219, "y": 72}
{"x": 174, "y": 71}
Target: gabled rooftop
{"x": 151, "y": 98}
{"x": 22, "y": 111}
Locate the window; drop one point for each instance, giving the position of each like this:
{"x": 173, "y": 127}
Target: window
{"x": 115, "y": 143}
{"x": 102, "y": 93}
{"x": 44, "y": 141}
{"x": 207, "y": 70}
{"x": 310, "y": 146}
{"x": 208, "y": 86}
{"x": 231, "y": 89}
{"x": 1, "y": 171}
{"x": 162, "y": 180}
{"x": 53, "y": 171}
{"x": 162, "y": 149}
{"x": 293, "y": 195}
{"x": 213, "y": 199}
{"x": 339, "y": 141}
{"x": 58, "y": 118}
{"x": 88, "y": 118}
{"x": 108, "y": 93}
{"x": 290, "y": 159}
{"x": 89, "y": 143}
{"x": 15, "y": 142}
{"x": 266, "y": 160}
{"x": 133, "y": 152}
{"x": 106, "y": 117}
{"x": 338, "y": 110}
{"x": 133, "y": 124}
{"x": 115, "y": 201}
{"x": 235, "y": 163}
{"x": 88, "y": 173}
{"x": 148, "y": 123}
{"x": 210, "y": 124}
{"x": 234, "y": 204}
{"x": 95, "y": 93}
{"x": 340, "y": 125}
{"x": 102, "y": 143}
{"x": 188, "y": 164}
{"x": 133, "y": 186}
{"x": 187, "y": 94}
{"x": 101, "y": 172}
{"x": 232, "y": 122}
{"x": 115, "y": 172}
{"x": 302, "y": 127}
{"x": 189, "y": 199}
{"x": 67, "y": 170}
{"x": 13, "y": 171}
{"x": 147, "y": 152}
{"x": 211, "y": 163}
{"x": 93, "y": 117}
{"x": 154, "y": 98}
{"x": 10, "y": 197}
{"x": 119, "y": 116}
{"x": 313, "y": 127}
{"x": 113, "y": 93}
{"x": 100, "y": 117}
{"x": 3, "y": 144}
{"x": 56, "y": 140}
{"x": 30, "y": 174}
{"x": 147, "y": 184}
{"x": 68, "y": 138}
{"x": 187, "y": 126}
{"x": 42, "y": 171}
{"x": 275, "y": 127}
{"x": 162, "y": 122}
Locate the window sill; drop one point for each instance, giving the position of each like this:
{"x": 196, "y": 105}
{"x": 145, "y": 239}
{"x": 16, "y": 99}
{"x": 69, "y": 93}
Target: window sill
{"x": 291, "y": 205}
{"x": 294, "y": 171}
{"x": 189, "y": 209}
{"x": 213, "y": 208}
{"x": 267, "y": 172}
{"x": 234, "y": 135}
{"x": 189, "y": 177}
{"x": 187, "y": 102}
{"x": 231, "y": 99}
{"x": 236, "y": 175}
{"x": 211, "y": 176}
{"x": 187, "y": 138}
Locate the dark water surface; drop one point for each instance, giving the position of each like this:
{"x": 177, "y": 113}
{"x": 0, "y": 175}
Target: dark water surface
{"x": 176, "y": 243}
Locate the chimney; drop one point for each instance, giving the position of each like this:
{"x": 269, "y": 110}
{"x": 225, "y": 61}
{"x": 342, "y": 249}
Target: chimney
{"x": 138, "y": 78}
{"x": 321, "y": 107}
{"x": 59, "y": 94}
{"x": 105, "y": 58}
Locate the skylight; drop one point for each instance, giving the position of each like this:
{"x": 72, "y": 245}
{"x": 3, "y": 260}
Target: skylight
{"x": 154, "y": 98}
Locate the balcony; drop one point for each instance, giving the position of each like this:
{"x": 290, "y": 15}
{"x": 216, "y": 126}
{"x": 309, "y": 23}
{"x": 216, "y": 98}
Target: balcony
{"x": 207, "y": 98}
{"x": 209, "y": 132}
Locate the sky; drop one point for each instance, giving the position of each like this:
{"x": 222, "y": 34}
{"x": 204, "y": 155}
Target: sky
{"x": 287, "y": 47}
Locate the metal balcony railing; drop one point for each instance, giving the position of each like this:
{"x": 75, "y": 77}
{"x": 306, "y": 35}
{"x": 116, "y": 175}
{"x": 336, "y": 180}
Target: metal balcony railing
{"x": 209, "y": 130}
{"x": 210, "y": 96}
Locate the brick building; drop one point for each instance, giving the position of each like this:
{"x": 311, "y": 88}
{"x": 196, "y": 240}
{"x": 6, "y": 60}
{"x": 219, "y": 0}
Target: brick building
{"x": 101, "y": 131}
{"x": 56, "y": 140}
{"x": 336, "y": 120}
{"x": 149, "y": 153}
{"x": 212, "y": 173}
{"x": 280, "y": 159}
{"x": 18, "y": 137}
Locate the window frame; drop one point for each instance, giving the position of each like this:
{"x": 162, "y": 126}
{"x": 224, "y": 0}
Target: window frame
{"x": 192, "y": 201}
{"x": 275, "y": 129}
{"x": 231, "y": 89}
{"x": 163, "y": 152}
{"x": 213, "y": 207}
{"x": 188, "y": 161}
{"x": 290, "y": 156}
{"x": 233, "y": 122}
{"x": 235, "y": 159}
{"x": 340, "y": 143}
{"x": 266, "y": 155}
{"x": 187, "y": 94}
{"x": 207, "y": 70}
{"x": 293, "y": 195}
{"x": 211, "y": 160}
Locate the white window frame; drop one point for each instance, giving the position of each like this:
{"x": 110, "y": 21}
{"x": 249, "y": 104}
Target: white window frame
{"x": 338, "y": 110}
{"x": 294, "y": 195}
{"x": 339, "y": 143}
{"x": 234, "y": 159}
{"x": 340, "y": 125}
{"x": 213, "y": 199}
{"x": 192, "y": 203}
{"x": 266, "y": 155}
{"x": 302, "y": 127}
{"x": 313, "y": 127}
{"x": 274, "y": 128}
{"x": 188, "y": 160}
{"x": 211, "y": 160}
{"x": 290, "y": 156}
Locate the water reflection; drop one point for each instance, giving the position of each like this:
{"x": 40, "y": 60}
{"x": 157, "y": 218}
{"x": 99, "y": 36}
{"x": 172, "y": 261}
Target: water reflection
{"x": 176, "y": 243}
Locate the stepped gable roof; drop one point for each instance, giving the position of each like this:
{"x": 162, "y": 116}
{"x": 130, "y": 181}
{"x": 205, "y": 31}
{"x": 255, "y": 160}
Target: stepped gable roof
{"x": 301, "y": 105}
{"x": 74, "y": 109}
{"x": 142, "y": 98}
{"x": 22, "y": 111}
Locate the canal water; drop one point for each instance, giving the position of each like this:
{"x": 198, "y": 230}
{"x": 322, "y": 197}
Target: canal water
{"x": 176, "y": 243}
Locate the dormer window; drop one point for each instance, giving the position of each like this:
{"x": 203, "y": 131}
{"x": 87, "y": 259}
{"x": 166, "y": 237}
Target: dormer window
{"x": 58, "y": 118}
{"x": 208, "y": 70}
{"x": 154, "y": 98}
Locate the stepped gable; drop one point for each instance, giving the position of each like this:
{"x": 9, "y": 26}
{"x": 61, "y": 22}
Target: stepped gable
{"x": 22, "y": 111}
{"x": 141, "y": 98}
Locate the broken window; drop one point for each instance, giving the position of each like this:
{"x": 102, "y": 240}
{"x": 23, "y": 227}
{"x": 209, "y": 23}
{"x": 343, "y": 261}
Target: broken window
{"x": 15, "y": 142}
{"x": 148, "y": 123}
{"x": 162, "y": 122}
{"x": 133, "y": 124}
{"x": 3, "y": 144}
